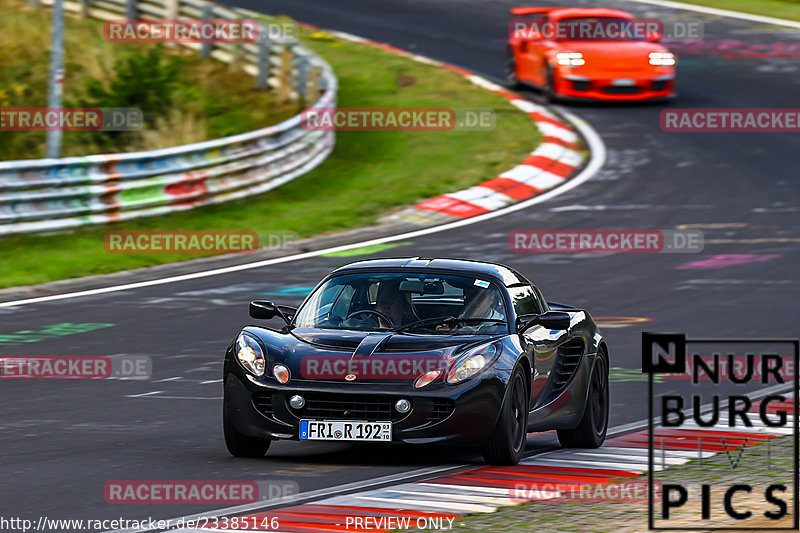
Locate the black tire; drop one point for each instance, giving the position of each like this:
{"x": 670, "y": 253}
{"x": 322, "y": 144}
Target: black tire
{"x": 241, "y": 445}
{"x": 591, "y": 431}
{"x": 512, "y": 82}
{"x": 507, "y": 442}
{"x": 549, "y": 90}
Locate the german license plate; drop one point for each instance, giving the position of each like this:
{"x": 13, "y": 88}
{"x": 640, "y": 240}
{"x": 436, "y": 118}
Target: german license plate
{"x": 345, "y": 430}
{"x": 623, "y": 82}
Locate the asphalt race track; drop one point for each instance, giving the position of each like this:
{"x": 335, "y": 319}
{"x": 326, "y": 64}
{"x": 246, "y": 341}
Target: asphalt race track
{"x": 61, "y": 441}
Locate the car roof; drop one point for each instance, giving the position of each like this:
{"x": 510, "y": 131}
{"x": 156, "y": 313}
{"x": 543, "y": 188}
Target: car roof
{"x": 505, "y": 275}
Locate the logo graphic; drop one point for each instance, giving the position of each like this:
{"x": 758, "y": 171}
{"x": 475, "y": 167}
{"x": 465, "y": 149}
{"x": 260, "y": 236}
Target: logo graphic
{"x": 664, "y": 353}
{"x": 716, "y": 397}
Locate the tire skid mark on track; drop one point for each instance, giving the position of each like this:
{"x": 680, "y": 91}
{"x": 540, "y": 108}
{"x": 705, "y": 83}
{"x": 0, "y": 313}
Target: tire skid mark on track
{"x": 485, "y": 489}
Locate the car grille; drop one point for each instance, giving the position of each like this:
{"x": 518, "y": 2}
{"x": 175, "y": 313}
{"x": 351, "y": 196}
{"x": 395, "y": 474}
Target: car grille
{"x": 263, "y": 403}
{"x": 623, "y": 90}
{"x": 581, "y": 85}
{"x": 659, "y": 85}
{"x": 569, "y": 358}
{"x": 442, "y": 408}
{"x": 350, "y": 407}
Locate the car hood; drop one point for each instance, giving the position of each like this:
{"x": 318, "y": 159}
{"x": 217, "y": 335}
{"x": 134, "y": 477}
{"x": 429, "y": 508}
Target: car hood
{"x": 617, "y": 56}
{"x": 335, "y": 355}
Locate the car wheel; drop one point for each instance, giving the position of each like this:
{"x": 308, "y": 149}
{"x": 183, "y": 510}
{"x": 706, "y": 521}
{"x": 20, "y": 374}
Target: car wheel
{"x": 591, "y": 431}
{"x": 507, "y": 442}
{"x": 241, "y": 445}
{"x": 512, "y": 82}
{"x": 549, "y": 91}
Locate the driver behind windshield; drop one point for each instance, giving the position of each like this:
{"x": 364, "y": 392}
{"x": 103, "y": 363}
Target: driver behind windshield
{"x": 394, "y": 304}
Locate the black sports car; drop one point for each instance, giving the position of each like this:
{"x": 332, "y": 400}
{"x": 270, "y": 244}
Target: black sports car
{"x": 418, "y": 351}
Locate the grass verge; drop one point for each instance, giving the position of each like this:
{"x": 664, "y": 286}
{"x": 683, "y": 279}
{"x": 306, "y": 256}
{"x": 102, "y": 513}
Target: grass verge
{"x": 782, "y": 9}
{"x": 183, "y": 97}
{"x": 369, "y": 173}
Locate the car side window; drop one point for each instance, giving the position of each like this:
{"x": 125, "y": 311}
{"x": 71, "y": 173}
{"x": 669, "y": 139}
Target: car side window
{"x": 342, "y": 302}
{"x": 524, "y": 300}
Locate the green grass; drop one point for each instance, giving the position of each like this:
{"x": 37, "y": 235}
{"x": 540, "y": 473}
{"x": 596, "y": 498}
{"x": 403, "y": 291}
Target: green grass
{"x": 782, "y": 9}
{"x": 368, "y": 175}
{"x": 209, "y": 99}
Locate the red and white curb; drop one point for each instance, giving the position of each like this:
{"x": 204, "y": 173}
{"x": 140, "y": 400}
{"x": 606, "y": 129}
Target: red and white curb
{"x": 439, "y": 501}
{"x": 555, "y": 160}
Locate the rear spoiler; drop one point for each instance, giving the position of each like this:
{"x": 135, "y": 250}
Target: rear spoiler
{"x": 522, "y": 11}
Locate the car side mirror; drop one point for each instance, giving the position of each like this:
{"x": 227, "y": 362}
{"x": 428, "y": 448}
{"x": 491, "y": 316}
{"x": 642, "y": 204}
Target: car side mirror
{"x": 558, "y": 320}
{"x": 263, "y": 310}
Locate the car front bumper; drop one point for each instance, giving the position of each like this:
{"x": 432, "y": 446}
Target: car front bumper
{"x": 614, "y": 87}
{"x": 259, "y": 407}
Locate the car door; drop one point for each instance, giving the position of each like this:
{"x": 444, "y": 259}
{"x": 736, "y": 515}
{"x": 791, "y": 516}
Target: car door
{"x": 540, "y": 345}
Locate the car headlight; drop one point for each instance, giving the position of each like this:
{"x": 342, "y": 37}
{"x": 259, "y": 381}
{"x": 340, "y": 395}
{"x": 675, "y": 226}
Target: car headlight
{"x": 570, "y": 59}
{"x": 472, "y": 362}
{"x": 662, "y": 59}
{"x": 250, "y": 355}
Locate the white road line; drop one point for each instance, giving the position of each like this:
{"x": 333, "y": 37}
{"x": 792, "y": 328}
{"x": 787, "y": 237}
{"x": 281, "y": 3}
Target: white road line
{"x": 627, "y": 467}
{"x": 143, "y": 394}
{"x": 467, "y": 488}
{"x": 454, "y": 495}
{"x": 636, "y": 451}
{"x": 634, "y": 459}
{"x": 398, "y": 503}
{"x": 758, "y": 428}
{"x": 182, "y": 397}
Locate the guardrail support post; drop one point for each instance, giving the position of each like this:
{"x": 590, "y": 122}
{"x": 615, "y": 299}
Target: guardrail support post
{"x": 313, "y": 84}
{"x": 302, "y": 76}
{"x": 130, "y": 9}
{"x": 171, "y": 9}
{"x": 263, "y": 61}
{"x": 236, "y": 56}
{"x": 84, "y": 9}
{"x": 205, "y": 47}
{"x": 285, "y": 76}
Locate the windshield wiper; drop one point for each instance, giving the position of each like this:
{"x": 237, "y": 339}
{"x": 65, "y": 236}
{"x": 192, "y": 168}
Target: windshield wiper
{"x": 447, "y": 320}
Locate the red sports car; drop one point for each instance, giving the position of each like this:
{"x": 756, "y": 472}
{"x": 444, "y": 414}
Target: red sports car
{"x": 589, "y": 53}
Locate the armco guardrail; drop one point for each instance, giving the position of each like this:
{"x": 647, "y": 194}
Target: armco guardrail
{"x": 55, "y": 194}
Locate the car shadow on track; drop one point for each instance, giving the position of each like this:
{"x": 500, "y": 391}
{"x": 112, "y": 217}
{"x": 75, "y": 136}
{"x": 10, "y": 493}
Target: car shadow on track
{"x": 396, "y": 454}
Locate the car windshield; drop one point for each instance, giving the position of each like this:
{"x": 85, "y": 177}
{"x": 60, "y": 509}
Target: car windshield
{"x": 599, "y": 29}
{"x": 432, "y": 304}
